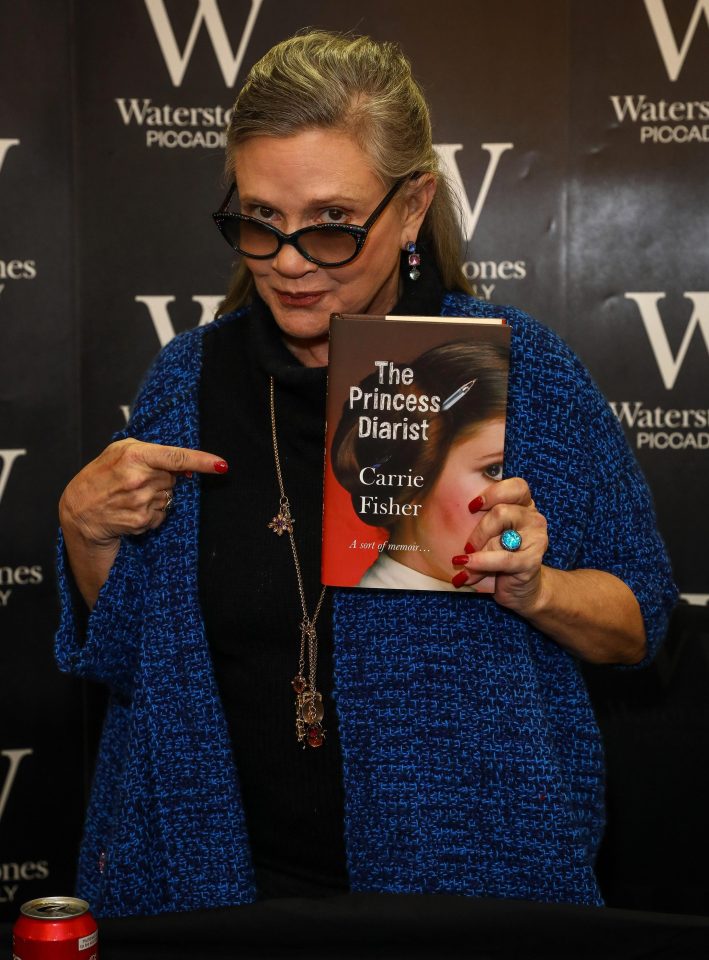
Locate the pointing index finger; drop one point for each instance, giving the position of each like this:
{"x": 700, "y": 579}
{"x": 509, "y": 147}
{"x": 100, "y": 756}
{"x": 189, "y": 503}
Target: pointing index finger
{"x": 180, "y": 459}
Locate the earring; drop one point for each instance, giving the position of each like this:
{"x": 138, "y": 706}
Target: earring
{"x": 414, "y": 260}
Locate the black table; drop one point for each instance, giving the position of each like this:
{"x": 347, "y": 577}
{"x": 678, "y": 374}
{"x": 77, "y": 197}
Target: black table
{"x": 381, "y": 927}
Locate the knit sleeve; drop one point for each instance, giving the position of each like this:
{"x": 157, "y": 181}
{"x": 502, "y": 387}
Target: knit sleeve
{"x": 104, "y": 645}
{"x": 565, "y": 439}
{"x": 621, "y": 536}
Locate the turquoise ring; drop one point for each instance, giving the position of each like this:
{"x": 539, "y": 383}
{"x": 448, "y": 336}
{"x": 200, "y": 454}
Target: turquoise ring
{"x": 511, "y": 540}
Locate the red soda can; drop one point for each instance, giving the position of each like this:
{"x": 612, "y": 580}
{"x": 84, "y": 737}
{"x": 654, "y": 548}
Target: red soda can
{"x": 55, "y": 928}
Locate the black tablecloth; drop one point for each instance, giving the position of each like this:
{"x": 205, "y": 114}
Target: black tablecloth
{"x": 382, "y": 927}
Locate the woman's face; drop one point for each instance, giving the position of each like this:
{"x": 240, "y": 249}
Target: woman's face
{"x": 322, "y": 176}
{"x": 445, "y": 523}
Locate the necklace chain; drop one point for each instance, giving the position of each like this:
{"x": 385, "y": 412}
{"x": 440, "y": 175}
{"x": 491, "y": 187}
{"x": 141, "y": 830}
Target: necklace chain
{"x": 308, "y": 701}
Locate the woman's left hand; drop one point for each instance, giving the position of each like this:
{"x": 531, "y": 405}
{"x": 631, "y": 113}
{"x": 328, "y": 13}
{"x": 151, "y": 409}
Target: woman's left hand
{"x": 591, "y": 613}
{"x": 508, "y": 505}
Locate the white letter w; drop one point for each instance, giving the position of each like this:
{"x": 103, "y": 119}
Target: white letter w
{"x": 673, "y": 55}
{"x": 446, "y": 154}
{"x": 668, "y": 365}
{"x": 207, "y": 13}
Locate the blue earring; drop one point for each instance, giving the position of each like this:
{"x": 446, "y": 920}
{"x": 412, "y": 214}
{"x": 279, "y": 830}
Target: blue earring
{"x": 414, "y": 260}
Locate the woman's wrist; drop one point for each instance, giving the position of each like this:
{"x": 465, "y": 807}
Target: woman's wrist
{"x": 89, "y": 561}
{"x": 534, "y": 600}
{"x": 78, "y": 532}
{"x": 591, "y": 613}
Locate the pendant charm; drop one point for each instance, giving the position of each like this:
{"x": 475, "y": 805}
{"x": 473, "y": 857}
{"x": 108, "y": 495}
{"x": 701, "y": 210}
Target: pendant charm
{"x": 316, "y": 736}
{"x": 283, "y": 521}
{"x": 309, "y": 713}
{"x": 311, "y": 708}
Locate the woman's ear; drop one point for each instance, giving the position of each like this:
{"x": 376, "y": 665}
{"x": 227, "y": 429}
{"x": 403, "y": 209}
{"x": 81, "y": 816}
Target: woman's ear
{"x": 417, "y": 199}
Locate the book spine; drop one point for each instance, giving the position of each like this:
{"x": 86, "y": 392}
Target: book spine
{"x": 328, "y": 560}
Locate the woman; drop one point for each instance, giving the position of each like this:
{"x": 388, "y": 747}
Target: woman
{"x": 458, "y": 456}
{"x": 462, "y": 755}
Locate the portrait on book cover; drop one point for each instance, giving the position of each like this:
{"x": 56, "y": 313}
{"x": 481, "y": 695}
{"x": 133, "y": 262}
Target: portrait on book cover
{"x": 415, "y": 443}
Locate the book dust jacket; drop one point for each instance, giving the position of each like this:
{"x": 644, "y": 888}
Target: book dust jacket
{"x": 416, "y": 412}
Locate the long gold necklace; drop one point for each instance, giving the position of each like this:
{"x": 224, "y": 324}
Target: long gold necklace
{"x": 308, "y": 701}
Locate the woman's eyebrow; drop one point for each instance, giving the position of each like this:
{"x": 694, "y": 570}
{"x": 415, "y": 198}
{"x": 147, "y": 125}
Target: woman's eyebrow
{"x": 334, "y": 200}
{"x": 487, "y": 456}
{"x": 255, "y": 201}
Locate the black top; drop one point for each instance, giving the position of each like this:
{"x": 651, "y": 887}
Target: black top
{"x": 293, "y": 798}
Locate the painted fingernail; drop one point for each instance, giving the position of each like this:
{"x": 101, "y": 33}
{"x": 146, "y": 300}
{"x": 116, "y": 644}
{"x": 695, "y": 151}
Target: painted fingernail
{"x": 460, "y": 560}
{"x": 187, "y": 474}
{"x": 469, "y": 548}
{"x": 459, "y": 579}
{"x": 220, "y": 466}
{"x": 475, "y": 504}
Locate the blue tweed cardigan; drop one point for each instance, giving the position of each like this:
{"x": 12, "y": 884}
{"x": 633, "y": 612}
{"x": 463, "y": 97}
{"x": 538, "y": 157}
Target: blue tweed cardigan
{"x": 472, "y": 761}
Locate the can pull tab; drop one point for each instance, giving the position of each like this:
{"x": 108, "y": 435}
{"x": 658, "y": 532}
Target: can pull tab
{"x": 51, "y": 910}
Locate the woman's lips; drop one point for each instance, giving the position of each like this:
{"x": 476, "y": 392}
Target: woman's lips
{"x": 289, "y": 299}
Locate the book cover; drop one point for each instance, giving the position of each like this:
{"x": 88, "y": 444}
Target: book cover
{"x": 415, "y": 430}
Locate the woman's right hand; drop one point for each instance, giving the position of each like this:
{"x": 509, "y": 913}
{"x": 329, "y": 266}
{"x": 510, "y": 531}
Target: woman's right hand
{"x": 123, "y": 491}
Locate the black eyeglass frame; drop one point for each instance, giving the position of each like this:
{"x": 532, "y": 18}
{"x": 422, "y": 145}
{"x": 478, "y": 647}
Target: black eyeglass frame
{"x": 359, "y": 232}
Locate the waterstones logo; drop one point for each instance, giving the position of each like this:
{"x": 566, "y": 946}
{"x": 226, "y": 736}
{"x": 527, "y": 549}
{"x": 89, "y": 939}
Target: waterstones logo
{"x": 663, "y": 428}
{"x": 14, "y": 759}
{"x": 158, "y": 307}
{"x": 5, "y": 146}
{"x": 168, "y": 126}
{"x": 20, "y": 576}
{"x": 7, "y": 462}
{"x": 16, "y": 270}
{"x": 670, "y": 365}
{"x": 208, "y": 15}
{"x": 666, "y": 427}
{"x": 11, "y": 872}
{"x": 663, "y": 121}
{"x": 673, "y": 53}
{"x": 13, "y": 269}
{"x": 669, "y": 120}
{"x": 483, "y": 274}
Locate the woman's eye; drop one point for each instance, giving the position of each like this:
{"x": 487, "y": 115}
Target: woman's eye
{"x": 493, "y": 472}
{"x": 333, "y": 215}
{"x": 264, "y": 213}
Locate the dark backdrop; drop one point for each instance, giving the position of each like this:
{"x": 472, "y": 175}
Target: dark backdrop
{"x": 582, "y": 129}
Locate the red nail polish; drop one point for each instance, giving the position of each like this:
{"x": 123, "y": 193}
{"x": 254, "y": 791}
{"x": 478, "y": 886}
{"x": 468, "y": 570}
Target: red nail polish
{"x": 475, "y": 504}
{"x": 187, "y": 474}
{"x": 469, "y": 548}
{"x": 220, "y": 466}
{"x": 460, "y": 560}
{"x": 459, "y": 579}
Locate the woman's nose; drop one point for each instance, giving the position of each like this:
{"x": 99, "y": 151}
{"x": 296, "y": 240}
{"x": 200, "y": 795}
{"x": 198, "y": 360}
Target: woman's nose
{"x": 289, "y": 262}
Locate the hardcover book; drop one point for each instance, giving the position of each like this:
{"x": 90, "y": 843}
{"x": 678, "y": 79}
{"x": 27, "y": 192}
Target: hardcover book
{"x": 415, "y": 431}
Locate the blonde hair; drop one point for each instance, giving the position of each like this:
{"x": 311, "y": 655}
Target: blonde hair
{"x": 319, "y": 79}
